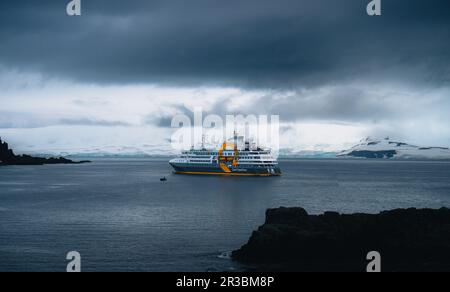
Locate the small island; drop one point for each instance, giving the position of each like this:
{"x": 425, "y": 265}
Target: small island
{"x": 7, "y": 157}
{"x": 409, "y": 240}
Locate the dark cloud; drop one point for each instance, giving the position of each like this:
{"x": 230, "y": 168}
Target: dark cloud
{"x": 14, "y": 120}
{"x": 346, "y": 104}
{"x": 343, "y": 104}
{"x": 164, "y": 119}
{"x": 247, "y": 43}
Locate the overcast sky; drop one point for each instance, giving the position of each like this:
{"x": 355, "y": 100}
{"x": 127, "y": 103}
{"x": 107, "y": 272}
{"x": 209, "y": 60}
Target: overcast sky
{"x": 117, "y": 74}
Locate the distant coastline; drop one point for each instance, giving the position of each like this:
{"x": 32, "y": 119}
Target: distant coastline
{"x": 91, "y": 156}
{"x": 8, "y": 157}
{"x": 368, "y": 148}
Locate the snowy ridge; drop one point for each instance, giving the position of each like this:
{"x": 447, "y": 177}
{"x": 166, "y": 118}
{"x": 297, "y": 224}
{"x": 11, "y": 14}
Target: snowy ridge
{"x": 108, "y": 151}
{"x": 387, "y": 148}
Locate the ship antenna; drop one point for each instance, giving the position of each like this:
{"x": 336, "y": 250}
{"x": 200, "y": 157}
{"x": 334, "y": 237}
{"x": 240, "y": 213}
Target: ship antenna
{"x": 235, "y": 138}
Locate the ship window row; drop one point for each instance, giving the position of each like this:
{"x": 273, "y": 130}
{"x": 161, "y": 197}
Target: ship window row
{"x": 201, "y": 164}
{"x": 225, "y": 152}
{"x": 257, "y": 158}
{"x": 257, "y": 166}
{"x": 199, "y": 157}
{"x": 269, "y": 163}
{"x": 246, "y": 159}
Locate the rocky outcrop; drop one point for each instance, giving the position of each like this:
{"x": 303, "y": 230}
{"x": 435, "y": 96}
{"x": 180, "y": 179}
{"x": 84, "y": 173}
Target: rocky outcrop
{"x": 292, "y": 240}
{"x": 383, "y": 154}
{"x": 7, "y": 157}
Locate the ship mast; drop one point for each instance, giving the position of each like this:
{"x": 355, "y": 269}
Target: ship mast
{"x": 236, "y": 151}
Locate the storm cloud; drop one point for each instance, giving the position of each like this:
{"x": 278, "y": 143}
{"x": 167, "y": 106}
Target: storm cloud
{"x": 244, "y": 43}
{"x": 332, "y": 73}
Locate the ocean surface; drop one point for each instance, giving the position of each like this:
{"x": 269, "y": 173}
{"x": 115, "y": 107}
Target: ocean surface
{"x": 120, "y": 217}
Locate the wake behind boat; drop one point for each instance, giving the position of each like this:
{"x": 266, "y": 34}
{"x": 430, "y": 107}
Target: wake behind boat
{"x": 227, "y": 161}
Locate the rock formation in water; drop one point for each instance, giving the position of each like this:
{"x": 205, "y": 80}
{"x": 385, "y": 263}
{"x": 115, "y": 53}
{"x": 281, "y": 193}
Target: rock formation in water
{"x": 7, "y": 157}
{"x": 292, "y": 240}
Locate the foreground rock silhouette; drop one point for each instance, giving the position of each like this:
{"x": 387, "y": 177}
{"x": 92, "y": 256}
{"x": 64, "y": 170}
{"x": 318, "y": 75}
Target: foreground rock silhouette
{"x": 292, "y": 240}
{"x": 7, "y": 157}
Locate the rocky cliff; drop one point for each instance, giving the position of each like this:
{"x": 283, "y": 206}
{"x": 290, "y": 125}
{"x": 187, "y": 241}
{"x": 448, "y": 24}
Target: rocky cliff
{"x": 292, "y": 240}
{"x": 7, "y": 157}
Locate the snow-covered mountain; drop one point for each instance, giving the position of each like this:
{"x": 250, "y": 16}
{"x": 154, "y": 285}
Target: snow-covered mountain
{"x": 150, "y": 151}
{"x": 367, "y": 148}
{"x": 388, "y": 148}
{"x": 106, "y": 151}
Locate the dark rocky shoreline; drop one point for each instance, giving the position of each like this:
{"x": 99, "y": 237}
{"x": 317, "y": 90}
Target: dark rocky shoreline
{"x": 7, "y": 157}
{"x": 407, "y": 239}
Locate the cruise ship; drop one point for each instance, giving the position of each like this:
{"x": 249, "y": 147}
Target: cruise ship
{"x": 227, "y": 161}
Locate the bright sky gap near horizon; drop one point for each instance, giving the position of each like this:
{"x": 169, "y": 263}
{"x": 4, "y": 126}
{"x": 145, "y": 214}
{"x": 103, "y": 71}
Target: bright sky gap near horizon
{"x": 113, "y": 77}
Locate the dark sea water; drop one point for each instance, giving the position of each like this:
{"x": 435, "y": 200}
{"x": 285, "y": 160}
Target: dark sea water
{"x": 120, "y": 217}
